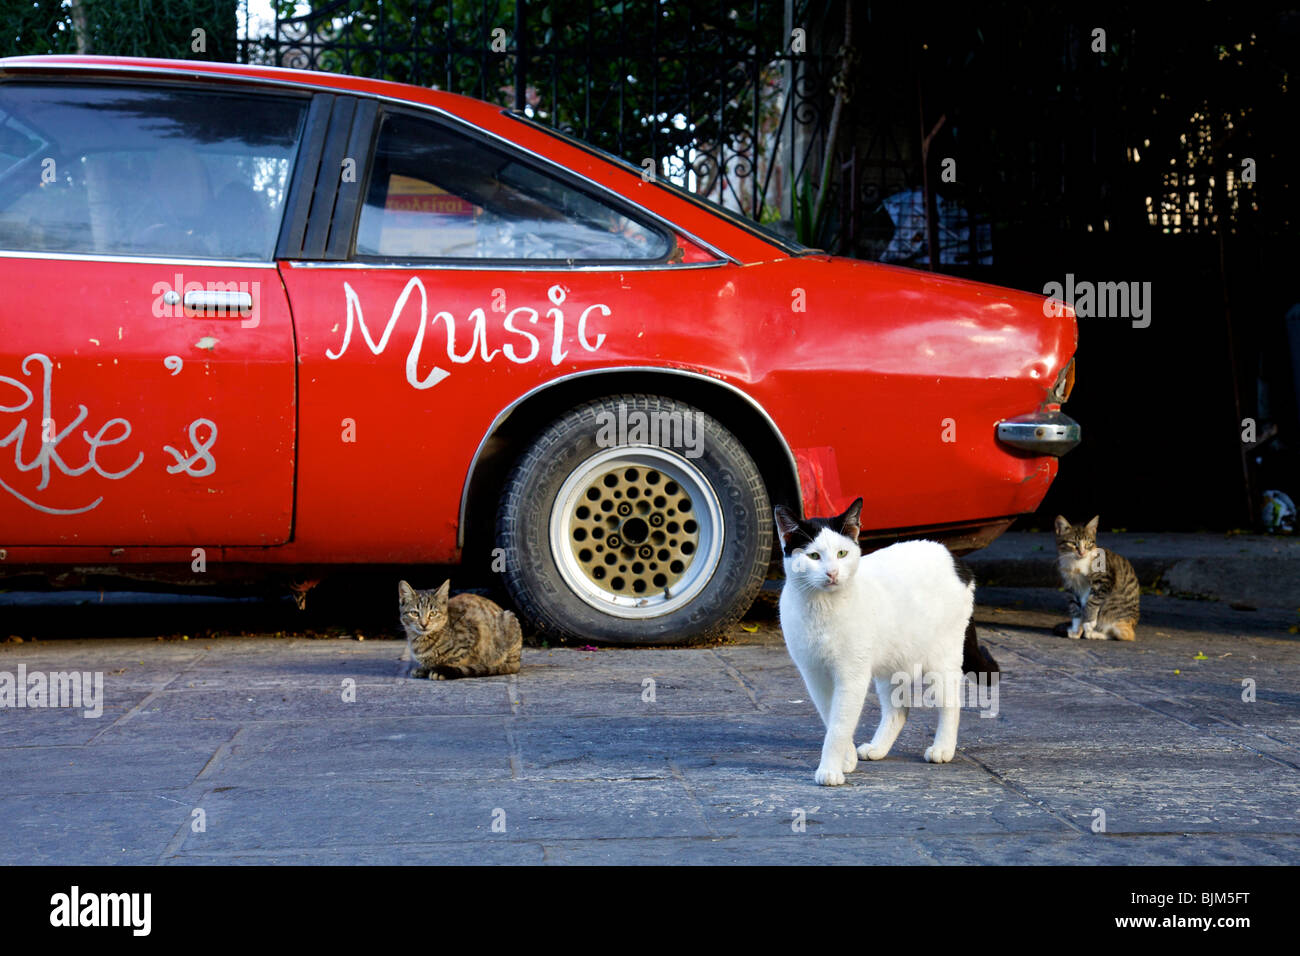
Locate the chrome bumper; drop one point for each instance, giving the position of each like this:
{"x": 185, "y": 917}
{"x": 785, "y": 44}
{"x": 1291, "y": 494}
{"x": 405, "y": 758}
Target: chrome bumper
{"x": 1043, "y": 433}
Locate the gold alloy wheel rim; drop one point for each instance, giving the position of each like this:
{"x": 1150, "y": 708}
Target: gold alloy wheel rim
{"x": 633, "y": 532}
{"x": 636, "y": 532}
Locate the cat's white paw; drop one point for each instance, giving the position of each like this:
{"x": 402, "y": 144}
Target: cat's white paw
{"x": 936, "y": 754}
{"x": 1074, "y": 633}
{"x": 1093, "y": 633}
{"x": 869, "y": 752}
{"x": 850, "y": 760}
{"x": 828, "y": 777}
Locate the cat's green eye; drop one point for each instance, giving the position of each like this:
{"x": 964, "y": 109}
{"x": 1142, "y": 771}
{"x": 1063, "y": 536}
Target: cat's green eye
{"x": 814, "y": 555}
{"x": 843, "y": 554}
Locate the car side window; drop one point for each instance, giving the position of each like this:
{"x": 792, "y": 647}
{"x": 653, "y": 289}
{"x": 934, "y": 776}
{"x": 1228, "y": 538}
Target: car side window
{"x": 144, "y": 171}
{"x": 435, "y": 193}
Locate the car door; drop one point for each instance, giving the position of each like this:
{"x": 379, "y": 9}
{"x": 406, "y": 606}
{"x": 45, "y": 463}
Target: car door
{"x": 147, "y": 384}
{"x": 475, "y": 273}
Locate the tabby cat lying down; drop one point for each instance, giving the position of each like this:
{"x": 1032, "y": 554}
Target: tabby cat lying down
{"x": 466, "y": 636}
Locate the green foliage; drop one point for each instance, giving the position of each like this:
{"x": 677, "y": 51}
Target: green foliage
{"x": 804, "y": 229}
{"x": 41, "y": 26}
{"x": 640, "y": 78}
{"x": 160, "y": 28}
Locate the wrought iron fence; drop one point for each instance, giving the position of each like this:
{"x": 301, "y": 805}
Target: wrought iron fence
{"x": 727, "y": 101}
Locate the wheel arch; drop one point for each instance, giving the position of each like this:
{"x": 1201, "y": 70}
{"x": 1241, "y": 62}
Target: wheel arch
{"x": 521, "y": 420}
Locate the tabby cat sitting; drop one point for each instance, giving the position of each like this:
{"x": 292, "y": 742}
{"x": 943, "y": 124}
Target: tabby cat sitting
{"x": 1102, "y": 585}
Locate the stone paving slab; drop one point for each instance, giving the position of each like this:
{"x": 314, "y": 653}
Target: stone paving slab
{"x": 647, "y": 745}
{"x": 497, "y": 852}
{"x": 64, "y": 726}
{"x": 894, "y": 796}
{"x": 308, "y": 754}
{"x": 349, "y": 814}
{"x": 44, "y": 771}
{"x": 88, "y": 829}
{"x": 806, "y": 849}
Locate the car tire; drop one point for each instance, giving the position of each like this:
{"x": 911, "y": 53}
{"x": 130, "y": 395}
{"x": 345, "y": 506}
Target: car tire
{"x": 645, "y": 542}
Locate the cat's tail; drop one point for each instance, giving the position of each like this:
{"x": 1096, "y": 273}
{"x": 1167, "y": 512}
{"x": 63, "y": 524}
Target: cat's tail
{"x": 515, "y": 635}
{"x": 975, "y": 657}
{"x": 1122, "y": 631}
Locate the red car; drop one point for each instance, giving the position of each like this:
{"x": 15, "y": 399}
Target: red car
{"x": 262, "y": 320}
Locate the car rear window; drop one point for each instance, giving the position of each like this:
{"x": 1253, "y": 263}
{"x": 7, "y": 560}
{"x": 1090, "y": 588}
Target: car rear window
{"x": 437, "y": 194}
{"x": 144, "y": 171}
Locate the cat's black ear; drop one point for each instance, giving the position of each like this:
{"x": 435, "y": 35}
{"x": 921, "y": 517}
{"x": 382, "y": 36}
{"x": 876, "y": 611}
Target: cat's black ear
{"x": 1062, "y": 526}
{"x": 851, "y": 520}
{"x": 1092, "y": 525}
{"x": 786, "y": 522}
{"x": 405, "y": 592}
{"x": 443, "y": 591}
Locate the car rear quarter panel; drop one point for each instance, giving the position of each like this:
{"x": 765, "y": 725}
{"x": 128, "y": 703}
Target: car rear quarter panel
{"x": 889, "y": 383}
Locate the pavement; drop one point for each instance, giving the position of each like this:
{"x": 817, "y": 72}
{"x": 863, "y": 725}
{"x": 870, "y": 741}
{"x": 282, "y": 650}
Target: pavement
{"x": 1183, "y": 747}
{"x": 1259, "y": 570}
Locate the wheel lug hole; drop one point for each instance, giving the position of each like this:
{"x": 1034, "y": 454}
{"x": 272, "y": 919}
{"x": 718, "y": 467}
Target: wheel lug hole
{"x": 625, "y": 509}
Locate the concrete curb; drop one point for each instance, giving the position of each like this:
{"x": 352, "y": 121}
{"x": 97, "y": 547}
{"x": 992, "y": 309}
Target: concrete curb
{"x": 1259, "y": 570}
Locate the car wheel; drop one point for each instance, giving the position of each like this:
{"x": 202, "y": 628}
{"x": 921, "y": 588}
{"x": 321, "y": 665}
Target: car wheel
{"x": 656, "y": 541}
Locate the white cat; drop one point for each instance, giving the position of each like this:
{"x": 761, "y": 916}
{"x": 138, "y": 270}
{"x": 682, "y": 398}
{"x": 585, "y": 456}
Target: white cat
{"x": 849, "y": 619}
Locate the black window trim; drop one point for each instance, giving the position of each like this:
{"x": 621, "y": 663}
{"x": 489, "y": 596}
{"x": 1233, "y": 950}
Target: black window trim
{"x": 321, "y": 221}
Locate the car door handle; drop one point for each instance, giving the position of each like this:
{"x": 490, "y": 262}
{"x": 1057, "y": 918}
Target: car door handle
{"x": 223, "y": 302}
